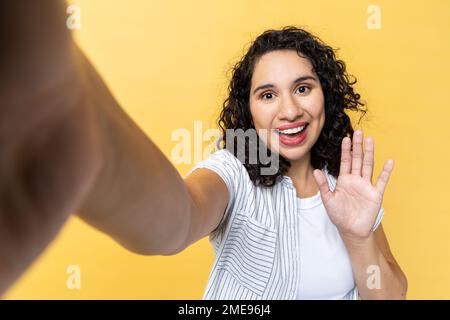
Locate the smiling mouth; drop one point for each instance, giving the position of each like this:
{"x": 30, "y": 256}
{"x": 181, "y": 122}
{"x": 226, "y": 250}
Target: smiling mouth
{"x": 292, "y": 137}
{"x": 293, "y": 132}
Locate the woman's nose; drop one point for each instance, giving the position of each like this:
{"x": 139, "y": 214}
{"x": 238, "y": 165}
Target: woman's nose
{"x": 289, "y": 109}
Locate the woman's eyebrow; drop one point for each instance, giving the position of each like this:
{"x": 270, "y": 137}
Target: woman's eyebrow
{"x": 304, "y": 78}
{"x": 262, "y": 87}
{"x": 299, "y": 79}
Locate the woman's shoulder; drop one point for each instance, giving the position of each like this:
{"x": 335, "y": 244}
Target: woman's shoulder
{"x": 224, "y": 154}
{"x": 227, "y": 166}
{"x": 227, "y": 158}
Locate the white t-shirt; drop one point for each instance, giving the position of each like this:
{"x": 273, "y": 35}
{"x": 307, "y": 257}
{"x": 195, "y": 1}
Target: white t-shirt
{"x": 325, "y": 267}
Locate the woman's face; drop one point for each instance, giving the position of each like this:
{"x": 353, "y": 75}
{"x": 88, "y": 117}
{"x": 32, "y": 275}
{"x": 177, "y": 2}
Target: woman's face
{"x": 286, "y": 94}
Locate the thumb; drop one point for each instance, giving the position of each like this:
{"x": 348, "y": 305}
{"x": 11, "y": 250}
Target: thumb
{"x": 321, "y": 181}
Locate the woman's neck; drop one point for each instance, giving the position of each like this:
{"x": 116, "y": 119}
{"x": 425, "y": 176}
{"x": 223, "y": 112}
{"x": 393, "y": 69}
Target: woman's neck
{"x": 301, "y": 174}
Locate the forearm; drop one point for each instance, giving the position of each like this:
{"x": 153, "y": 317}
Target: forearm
{"x": 66, "y": 145}
{"x": 376, "y": 278}
{"x": 47, "y": 162}
{"x": 139, "y": 198}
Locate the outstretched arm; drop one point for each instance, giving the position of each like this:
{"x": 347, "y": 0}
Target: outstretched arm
{"x": 67, "y": 147}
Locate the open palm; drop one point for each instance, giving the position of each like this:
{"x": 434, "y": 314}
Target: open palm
{"x": 354, "y": 203}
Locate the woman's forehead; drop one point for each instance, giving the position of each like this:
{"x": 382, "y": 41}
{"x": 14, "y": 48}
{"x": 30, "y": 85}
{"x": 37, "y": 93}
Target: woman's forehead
{"x": 280, "y": 66}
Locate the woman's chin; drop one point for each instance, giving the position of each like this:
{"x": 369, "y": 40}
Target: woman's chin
{"x": 293, "y": 154}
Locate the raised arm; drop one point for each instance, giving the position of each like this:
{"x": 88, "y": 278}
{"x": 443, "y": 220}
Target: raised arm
{"x": 67, "y": 147}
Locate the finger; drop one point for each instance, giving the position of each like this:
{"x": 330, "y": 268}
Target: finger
{"x": 322, "y": 183}
{"x": 383, "y": 178}
{"x": 346, "y": 157}
{"x": 367, "y": 169}
{"x": 357, "y": 152}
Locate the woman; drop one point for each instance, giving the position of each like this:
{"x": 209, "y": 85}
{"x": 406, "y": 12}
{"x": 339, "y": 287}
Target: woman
{"x": 286, "y": 235}
{"x": 80, "y": 152}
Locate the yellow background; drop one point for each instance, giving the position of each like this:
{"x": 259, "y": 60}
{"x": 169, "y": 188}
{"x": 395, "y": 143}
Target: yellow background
{"x": 167, "y": 63}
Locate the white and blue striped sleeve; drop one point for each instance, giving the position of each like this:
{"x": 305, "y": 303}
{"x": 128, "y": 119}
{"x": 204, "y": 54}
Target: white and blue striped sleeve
{"x": 229, "y": 168}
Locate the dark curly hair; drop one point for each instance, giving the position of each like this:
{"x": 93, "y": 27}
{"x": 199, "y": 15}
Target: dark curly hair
{"x": 336, "y": 85}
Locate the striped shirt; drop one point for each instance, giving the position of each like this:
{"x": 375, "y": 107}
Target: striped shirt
{"x": 256, "y": 244}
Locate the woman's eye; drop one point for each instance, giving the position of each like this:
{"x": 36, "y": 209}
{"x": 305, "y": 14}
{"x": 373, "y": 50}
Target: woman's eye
{"x": 267, "y": 96}
{"x": 302, "y": 89}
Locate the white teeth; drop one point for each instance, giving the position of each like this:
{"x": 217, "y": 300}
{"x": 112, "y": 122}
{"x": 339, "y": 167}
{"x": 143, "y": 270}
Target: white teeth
{"x": 291, "y": 131}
